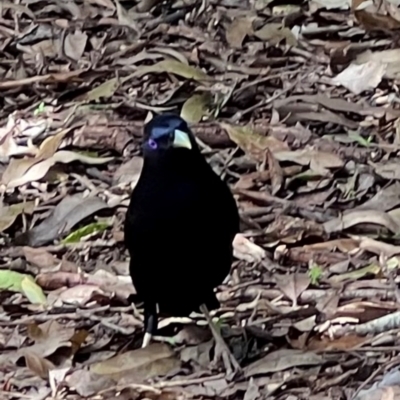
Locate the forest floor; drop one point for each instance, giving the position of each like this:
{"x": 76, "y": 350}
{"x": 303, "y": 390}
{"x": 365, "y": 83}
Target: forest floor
{"x": 296, "y": 106}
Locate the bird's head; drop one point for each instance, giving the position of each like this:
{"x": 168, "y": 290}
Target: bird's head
{"x": 166, "y": 133}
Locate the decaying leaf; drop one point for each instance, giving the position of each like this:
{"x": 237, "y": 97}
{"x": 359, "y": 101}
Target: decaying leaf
{"x": 359, "y": 78}
{"x": 238, "y": 30}
{"x": 138, "y": 365}
{"x": 281, "y": 360}
{"x": 253, "y": 143}
{"x": 293, "y": 286}
{"x": 8, "y": 214}
{"x": 70, "y": 211}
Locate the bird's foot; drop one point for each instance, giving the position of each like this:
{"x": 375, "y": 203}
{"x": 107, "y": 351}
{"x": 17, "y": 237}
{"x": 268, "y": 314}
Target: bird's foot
{"x": 223, "y": 353}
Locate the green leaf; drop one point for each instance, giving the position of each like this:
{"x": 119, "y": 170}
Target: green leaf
{"x": 315, "y": 274}
{"x": 77, "y": 235}
{"x": 33, "y": 291}
{"x": 22, "y": 283}
{"x": 11, "y": 280}
{"x": 196, "y": 107}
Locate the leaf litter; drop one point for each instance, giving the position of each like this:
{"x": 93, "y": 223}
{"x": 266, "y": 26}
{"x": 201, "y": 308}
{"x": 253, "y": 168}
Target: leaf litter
{"x": 296, "y": 106}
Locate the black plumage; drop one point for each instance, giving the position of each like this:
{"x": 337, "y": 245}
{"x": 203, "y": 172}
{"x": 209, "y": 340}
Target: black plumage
{"x": 180, "y": 224}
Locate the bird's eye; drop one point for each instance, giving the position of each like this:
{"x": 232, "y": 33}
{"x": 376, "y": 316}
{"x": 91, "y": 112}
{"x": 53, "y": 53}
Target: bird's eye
{"x": 152, "y": 144}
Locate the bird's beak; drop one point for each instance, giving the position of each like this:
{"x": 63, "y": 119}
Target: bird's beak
{"x": 181, "y": 139}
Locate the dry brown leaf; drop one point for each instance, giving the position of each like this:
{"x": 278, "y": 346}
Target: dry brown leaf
{"x": 59, "y": 279}
{"x": 362, "y": 217}
{"x": 129, "y": 172}
{"x": 275, "y": 33}
{"x": 36, "y": 169}
{"x": 281, "y": 360}
{"x": 74, "y": 45}
{"x": 388, "y": 169}
{"x": 253, "y": 143}
{"x": 77, "y": 295}
{"x": 361, "y": 77}
{"x": 377, "y": 247}
{"x": 238, "y": 30}
{"x": 8, "y": 214}
{"x": 276, "y": 173}
{"x": 293, "y": 286}
{"x": 38, "y": 365}
{"x": 138, "y": 365}
{"x": 317, "y": 160}
{"x": 389, "y": 57}
{"x": 70, "y": 211}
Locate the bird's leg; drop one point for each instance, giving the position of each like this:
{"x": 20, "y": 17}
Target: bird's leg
{"x": 150, "y": 322}
{"x": 221, "y": 349}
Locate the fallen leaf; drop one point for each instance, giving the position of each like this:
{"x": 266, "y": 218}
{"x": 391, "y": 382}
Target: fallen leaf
{"x": 12, "y": 175}
{"x": 138, "y": 365}
{"x": 196, "y": 107}
{"x": 389, "y": 57}
{"x": 32, "y": 291}
{"x": 56, "y": 280}
{"x": 8, "y": 214}
{"x": 238, "y": 30}
{"x": 293, "y": 286}
{"x": 70, "y": 211}
{"x": 25, "y": 284}
{"x": 40, "y": 257}
{"x": 95, "y": 227}
{"x": 245, "y": 250}
{"x": 372, "y": 269}
{"x": 174, "y": 67}
{"x": 49, "y": 337}
{"x": 38, "y": 365}
{"x": 318, "y": 160}
{"x": 129, "y": 172}
{"x": 361, "y": 217}
{"x": 281, "y": 360}
{"x": 77, "y": 295}
{"x": 253, "y": 143}
{"x": 275, "y": 33}
{"x": 276, "y": 173}
{"x": 74, "y": 45}
{"x": 359, "y": 78}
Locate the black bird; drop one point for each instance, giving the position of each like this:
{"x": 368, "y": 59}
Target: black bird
{"x": 179, "y": 228}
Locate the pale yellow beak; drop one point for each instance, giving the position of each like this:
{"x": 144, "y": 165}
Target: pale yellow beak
{"x": 181, "y": 139}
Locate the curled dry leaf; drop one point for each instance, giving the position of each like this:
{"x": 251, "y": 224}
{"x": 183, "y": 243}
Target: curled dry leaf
{"x": 59, "y": 279}
{"x": 77, "y": 295}
{"x": 246, "y": 250}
